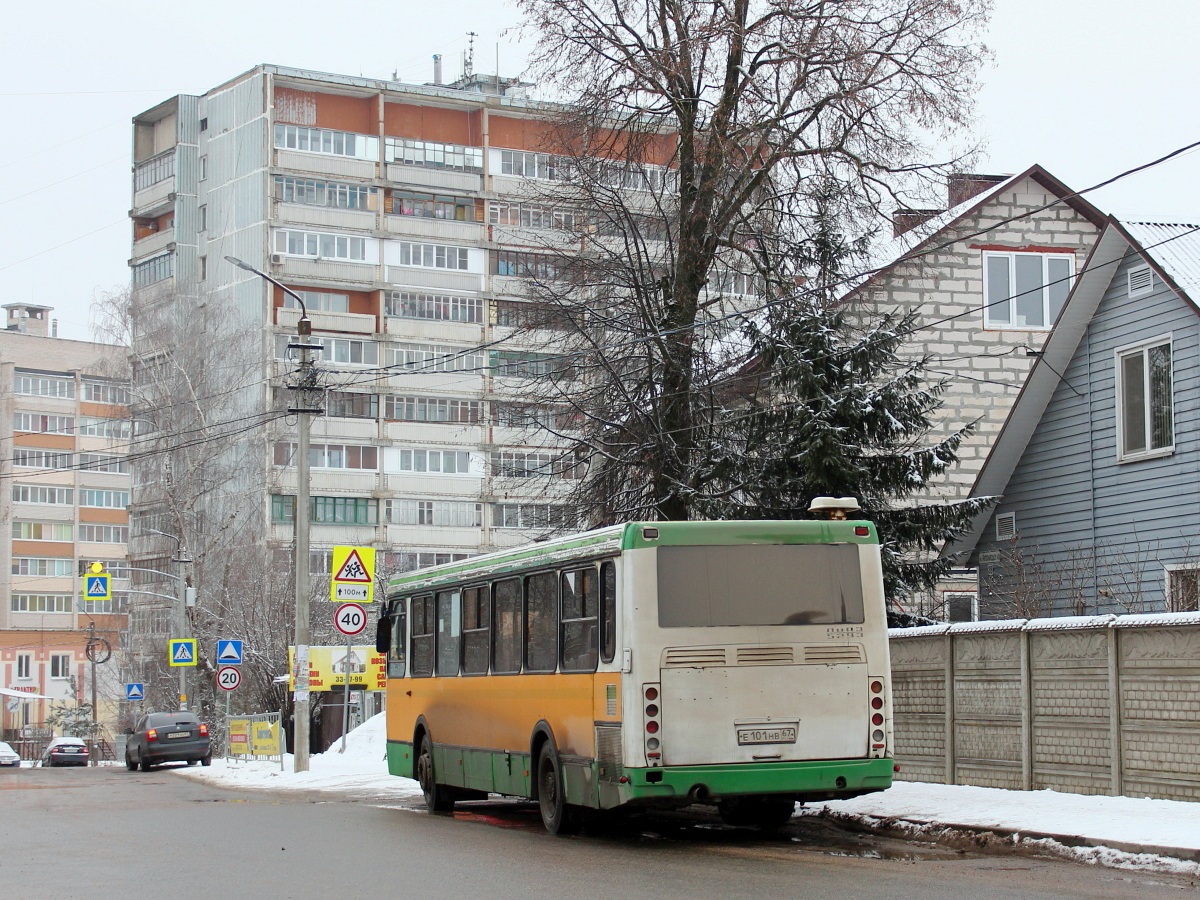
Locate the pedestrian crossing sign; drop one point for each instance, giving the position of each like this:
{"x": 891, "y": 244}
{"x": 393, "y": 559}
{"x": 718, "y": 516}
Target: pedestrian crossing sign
{"x": 181, "y": 652}
{"x": 97, "y": 587}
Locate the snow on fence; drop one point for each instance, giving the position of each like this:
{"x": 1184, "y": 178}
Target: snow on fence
{"x": 1090, "y": 705}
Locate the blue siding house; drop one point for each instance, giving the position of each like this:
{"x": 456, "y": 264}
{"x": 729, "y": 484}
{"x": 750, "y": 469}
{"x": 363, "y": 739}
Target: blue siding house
{"x": 1098, "y": 465}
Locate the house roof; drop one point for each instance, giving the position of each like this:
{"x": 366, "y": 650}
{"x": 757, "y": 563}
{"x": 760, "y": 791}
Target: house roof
{"x": 929, "y": 234}
{"x": 1173, "y": 250}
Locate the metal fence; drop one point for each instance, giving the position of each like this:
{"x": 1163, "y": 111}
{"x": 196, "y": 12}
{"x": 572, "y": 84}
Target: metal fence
{"x": 256, "y": 736}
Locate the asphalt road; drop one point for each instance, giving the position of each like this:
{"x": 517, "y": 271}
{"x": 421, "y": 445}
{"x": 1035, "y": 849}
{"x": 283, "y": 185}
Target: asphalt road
{"x": 104, "y": 832}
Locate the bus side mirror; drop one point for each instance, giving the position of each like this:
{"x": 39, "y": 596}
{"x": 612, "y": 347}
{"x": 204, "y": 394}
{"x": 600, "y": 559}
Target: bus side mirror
{"x": 383, "y": 635}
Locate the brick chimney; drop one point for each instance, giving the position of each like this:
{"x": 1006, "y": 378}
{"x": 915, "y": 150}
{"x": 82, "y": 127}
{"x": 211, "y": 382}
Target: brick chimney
{"x": 962, "y": 187}
{"x": 905, "y": 220}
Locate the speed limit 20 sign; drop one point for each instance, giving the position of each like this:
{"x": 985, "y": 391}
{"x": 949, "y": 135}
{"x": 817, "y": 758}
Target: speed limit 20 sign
{"x": 350, "y": 619}
{"x": 228, "y": 678}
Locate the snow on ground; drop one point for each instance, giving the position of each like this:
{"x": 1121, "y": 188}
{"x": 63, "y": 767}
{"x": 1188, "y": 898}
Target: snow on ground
{"x": 1125, "y": 822}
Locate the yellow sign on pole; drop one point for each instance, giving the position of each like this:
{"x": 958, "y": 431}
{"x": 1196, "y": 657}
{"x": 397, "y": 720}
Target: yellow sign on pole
{"x": 328, "y": 668}
{"x": 181, "y": 652}
{"x": 353, "y": 575}
{"x": 97, "y": 586}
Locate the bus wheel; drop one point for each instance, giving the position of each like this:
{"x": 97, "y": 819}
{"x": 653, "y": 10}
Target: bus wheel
{"x": 557, "y": 815}
{"x": 763, "y": 812}
{"x": 438, "y": 798}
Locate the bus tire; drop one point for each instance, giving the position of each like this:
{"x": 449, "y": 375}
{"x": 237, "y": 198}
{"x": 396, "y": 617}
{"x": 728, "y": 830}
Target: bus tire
{"x": 438, "y": 797}
{"x": 758, "y": 812}
{"x": 558, "y": 816}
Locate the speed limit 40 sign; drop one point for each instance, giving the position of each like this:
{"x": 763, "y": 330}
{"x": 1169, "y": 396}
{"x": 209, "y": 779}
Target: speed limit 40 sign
{"x": 350, "y": 619}
{"x": 229, "y": 677}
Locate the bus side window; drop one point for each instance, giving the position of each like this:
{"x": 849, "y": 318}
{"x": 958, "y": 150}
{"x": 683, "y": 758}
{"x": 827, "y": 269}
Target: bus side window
{"x": 608, "y": 611}
{"x": 541, "y": 622}
{"x": 423, "y": 623}
{"x": 476, "y": 630}
{"x": 506, "y": 631}
{"x": 580, "y": 602}
{"x": 395, "y": 658}
{"x": 449, "y": 621}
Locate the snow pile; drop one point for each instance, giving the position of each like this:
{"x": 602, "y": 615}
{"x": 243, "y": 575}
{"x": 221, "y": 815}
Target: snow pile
{"x": 361, "y": 770}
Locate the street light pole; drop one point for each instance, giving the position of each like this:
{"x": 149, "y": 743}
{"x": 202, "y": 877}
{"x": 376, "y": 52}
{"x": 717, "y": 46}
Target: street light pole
{"x": 186, "y": 593}
{"x": 306, "y": 382}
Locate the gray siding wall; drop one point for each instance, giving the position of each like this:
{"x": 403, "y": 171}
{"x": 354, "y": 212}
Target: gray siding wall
{"x": 1095, "y": 533}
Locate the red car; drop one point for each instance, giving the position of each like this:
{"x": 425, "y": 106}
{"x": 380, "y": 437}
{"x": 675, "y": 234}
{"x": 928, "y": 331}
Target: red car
{"x": 65, "y": 751}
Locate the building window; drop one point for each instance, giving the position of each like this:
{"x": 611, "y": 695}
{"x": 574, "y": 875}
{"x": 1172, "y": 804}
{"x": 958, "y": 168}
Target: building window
{"x": 334, "y": 350}
{"x": 152, "y": 171}
{"x": 103, "y": 534}
{"x": 446, "y": 513}
{"x": 961, "y": 606}
{"x": 433, "y": 256}
{"x": 535, "y": 266}
{"x": 350, "y": 405}
{"x": 534, "y": 464}
{"x": 528, "y": 164}
{"x": 521, "y": 364}
{"x": 431, "y": 409}
{"x": 103, "y": 499}
{"x": 40, "y": 423}
{"x": 434, "y": 358}
{"x": 437, "y": 307}
{"x": 42, "y": 459}
{"x": 323, "y": 140}
{"x": 108, "y": 428}
{"x": 23, "y": 667}
{"x": 41, "y": 603}
{"x": 524, "y": 314}
{"x": 532, "y": 215}
{"x": 105, "y": 392}
{"x": 445, "y": 462}
{"x": 102, "y": 462}
{"x": 321, "y": 245}
{"x": 43, "y": 531}
{"x": 1183, "y": 589}
{"x": 60, "y": 665}
{"x": 203, "y": 167}
{"x": 36, "y": 493}
{"x": 433, "y": 155}
{"x": 327, "y": 510}
{"x": 41, "y": 566}
{"x": 527, "y": 515}
{"x": 1145, "y": 412}
{"x": 312, "y": 192}
{"x": 330, "y": 456}
{"x": 319, "y": 301}
{"x": 202, "y": 217}
{"x": 1025, "y": 290}
{"x": 44, "y": 386}
{"x": 203, "y": 260}
{"x": 152, "y": 271}
{"x": 433, "y": 206}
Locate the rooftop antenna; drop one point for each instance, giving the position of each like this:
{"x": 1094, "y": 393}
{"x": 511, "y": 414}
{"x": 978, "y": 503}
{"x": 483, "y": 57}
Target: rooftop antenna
{"x": 469, "y": 59}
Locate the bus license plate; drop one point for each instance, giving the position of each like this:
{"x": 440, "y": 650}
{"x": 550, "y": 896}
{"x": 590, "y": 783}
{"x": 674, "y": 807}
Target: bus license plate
{"x": 771, "y": 734}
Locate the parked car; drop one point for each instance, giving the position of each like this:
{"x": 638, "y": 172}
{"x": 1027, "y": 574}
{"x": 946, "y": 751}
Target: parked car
{"x": 9, "y": 756}
{"x": 65, "y": 751}
{"x": 161, "y": 737}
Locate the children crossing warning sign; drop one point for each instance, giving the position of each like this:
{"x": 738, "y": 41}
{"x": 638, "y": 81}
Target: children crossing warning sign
{"x": 353, "y": 574}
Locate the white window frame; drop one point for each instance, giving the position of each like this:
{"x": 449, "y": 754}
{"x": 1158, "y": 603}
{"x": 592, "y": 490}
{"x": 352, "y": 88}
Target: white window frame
{"x": 990, "y": 304}
{"x": 1169, "y": 572}
{"x": 24, "y": 667}
{"x": 1119, "y": 355}
{"x": 62, "y": 663}
{"x": 946, "y": 599}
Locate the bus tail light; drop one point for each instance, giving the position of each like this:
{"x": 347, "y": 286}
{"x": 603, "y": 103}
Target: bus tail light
{"x": 651, "y": 712}
{"x": 877, "y": 736}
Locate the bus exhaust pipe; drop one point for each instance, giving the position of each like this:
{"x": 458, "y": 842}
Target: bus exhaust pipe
{"x": 698, "y": 793}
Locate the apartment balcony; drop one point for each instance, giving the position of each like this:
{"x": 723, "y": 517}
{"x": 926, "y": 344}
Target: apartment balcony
{"x": 414, "y": 276}
{"x": 323, "y": 534}
{"x": 548, "y": 239}
{"x": 353, "y": 323}
{"x": 341, "y": 430}
{"x": 438, "y": 229}
{"x": 156, "y": 242}
{"x": 435, "y": 178}
{"x": 155, "y": 199}
{"x": 457, "y": 435}
{"x": 324, "y": 217}
{"x": 516, "y": 187}
{"x": 152, "y": 293}
{"x": 325, "y": 270}
{"x": 433, "y": 330}
{"x": 456, "y": 384}
{"x": 437, "y": 536}
{"x": 322, "y": 164}
{"x": 449, "y": 486}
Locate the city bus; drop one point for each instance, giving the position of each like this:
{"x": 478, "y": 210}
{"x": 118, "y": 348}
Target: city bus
{"x": 649, "y": 664}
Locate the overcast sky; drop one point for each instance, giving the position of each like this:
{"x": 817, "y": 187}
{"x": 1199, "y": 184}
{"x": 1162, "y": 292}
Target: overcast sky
{"x": 1081, "y": 86}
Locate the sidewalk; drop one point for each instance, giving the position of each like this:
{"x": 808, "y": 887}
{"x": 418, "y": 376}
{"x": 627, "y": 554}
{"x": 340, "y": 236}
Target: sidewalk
{"x": 1124, "y": 832}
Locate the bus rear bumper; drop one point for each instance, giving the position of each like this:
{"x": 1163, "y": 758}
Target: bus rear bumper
{"x": 821, "y": 780}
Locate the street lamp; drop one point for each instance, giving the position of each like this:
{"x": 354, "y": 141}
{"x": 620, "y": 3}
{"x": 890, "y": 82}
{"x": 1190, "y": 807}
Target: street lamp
{"x": 187, "y": 597}
{"x": 300, "y": 720}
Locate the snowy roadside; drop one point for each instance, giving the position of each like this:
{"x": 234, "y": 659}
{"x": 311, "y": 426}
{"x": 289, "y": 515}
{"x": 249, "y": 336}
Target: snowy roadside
{"x": 1124, "y": 832}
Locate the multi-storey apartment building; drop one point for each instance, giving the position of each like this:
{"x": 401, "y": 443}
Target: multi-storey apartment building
{"x": 403, "y": 216}
{"x": 64, "y": 433}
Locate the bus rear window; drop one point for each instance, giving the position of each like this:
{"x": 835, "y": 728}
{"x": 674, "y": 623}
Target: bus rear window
{"x": 777, "y": 584}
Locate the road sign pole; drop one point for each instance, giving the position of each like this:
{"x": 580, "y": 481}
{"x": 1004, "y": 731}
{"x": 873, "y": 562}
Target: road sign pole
{"x": 346, "y": 701}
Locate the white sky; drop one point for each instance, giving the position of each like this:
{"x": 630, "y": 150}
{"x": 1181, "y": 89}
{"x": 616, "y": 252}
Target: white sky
{"x": 1083, "y": 88}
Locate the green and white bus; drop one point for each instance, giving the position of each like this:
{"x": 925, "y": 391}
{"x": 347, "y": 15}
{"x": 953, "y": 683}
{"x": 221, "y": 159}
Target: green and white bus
{"x": 740, "y": 664}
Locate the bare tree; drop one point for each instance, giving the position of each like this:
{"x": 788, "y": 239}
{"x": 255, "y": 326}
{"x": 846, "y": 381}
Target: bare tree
{"x": 692, "y": 141}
